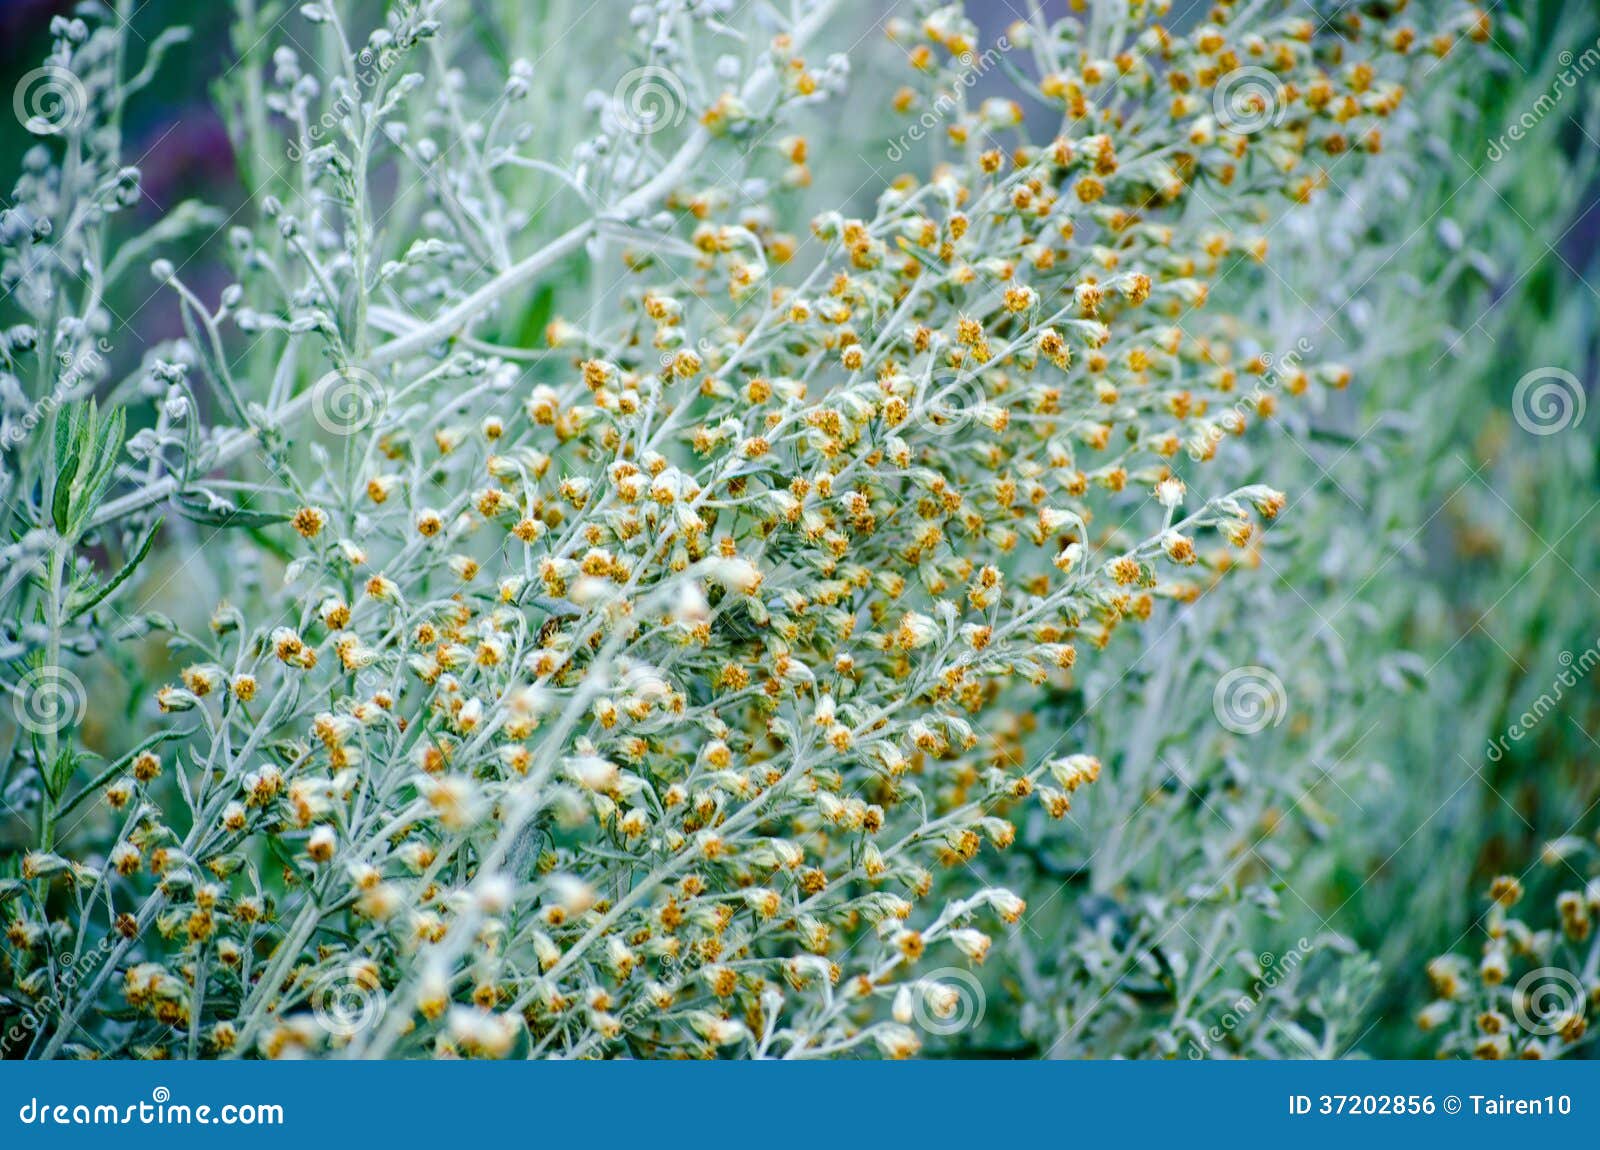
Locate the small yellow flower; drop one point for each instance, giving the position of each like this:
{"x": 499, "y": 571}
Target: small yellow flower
{"x": 309, "y": 521}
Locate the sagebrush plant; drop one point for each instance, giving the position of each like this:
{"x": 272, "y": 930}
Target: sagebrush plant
{"x": 1537, "y": 977}
{"x": 650, "y": 686}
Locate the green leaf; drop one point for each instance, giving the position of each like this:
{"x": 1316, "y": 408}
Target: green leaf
{"x": 87, "y": 450}
{"x": 98, "y": 596}
{"x": 272, "y": 546}
{"x": 530, "y": 328}
{"x": 67, "y": 430}
{"x": 210, "y": 511}
{"x": 69, "y": 459}
{"x": 59, "y": 773}
{"x": 107, "y": 450}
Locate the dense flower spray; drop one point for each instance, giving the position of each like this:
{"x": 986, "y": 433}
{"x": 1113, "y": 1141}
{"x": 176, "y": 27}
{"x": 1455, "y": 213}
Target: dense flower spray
{"x": 627, "y": 686}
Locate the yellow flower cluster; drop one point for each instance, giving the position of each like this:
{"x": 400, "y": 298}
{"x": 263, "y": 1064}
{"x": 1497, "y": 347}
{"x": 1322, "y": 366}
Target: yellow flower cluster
{"x": 1533, "y": 992}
